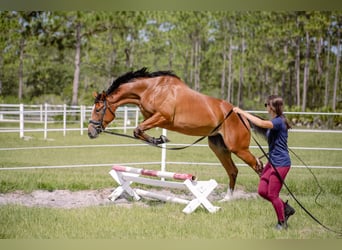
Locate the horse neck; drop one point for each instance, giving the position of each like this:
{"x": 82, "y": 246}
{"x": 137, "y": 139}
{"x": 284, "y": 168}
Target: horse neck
{"x": 128, "y": 93}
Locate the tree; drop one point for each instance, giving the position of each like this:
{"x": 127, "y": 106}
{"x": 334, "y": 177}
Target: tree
{"x": 338, "y": 59}
{"x": 238, "y": 56}
{"x": 27, "y": 27}
{"x": 71, "y": 30}
{"x": 5, "y": 27}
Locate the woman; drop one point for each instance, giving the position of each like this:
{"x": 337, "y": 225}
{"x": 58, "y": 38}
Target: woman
{"x": 271, "y": 180}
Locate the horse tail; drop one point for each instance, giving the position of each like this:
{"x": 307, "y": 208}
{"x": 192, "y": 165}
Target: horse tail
{"x": 259, "y": 130}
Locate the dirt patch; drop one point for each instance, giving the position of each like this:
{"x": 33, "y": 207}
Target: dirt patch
{"x": 57, "y": 198}
{"x": 67, "y": 199}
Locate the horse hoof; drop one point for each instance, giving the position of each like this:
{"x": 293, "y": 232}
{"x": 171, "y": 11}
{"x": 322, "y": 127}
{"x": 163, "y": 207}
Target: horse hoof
{"x": 226, "y": 199}
{"x": 163, "y": 139}
{"x": 259, "y": 167}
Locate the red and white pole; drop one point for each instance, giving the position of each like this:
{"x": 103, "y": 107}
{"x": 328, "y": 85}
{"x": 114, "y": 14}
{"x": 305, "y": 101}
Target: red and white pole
{"x": 155, "y": 173}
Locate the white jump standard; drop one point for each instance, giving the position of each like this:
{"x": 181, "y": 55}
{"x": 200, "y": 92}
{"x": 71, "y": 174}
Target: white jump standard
{"x": 125, "y": 176}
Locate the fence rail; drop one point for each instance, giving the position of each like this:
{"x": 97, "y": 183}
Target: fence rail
{"x": 47, "y": 118}
{"x": 50, "y": 118}
{"x": 64, "y": 118}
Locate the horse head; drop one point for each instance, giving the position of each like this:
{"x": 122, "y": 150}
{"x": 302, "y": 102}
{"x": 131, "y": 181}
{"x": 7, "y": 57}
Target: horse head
{"x": 101, "y": 115}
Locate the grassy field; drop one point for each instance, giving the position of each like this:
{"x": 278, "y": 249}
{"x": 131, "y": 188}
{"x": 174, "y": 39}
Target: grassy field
{"x": 241, "y": 219}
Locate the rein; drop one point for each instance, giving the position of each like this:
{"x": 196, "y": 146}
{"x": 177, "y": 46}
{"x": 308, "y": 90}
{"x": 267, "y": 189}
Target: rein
{"x": 151, "y": 144}
{"x": 288, "y": 189}
{"x": 173, "y": 148}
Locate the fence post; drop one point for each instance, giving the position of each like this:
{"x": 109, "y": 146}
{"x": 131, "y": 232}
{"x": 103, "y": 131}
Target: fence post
{"x": 64, "y": 119}
{"x": 163, "y": 153}
{"x": 82, "y": 118}
{"x": 41, "y": 112}
{"x": 21, "y": 120}
{"x": 136, "y": 117}
{"x": 45, "y": 120}
{"x": 125, "y": 119}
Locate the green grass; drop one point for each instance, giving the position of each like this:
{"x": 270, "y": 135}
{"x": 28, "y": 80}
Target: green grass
{"x": 241, "y": 219}
{"x": 236, "y": 220}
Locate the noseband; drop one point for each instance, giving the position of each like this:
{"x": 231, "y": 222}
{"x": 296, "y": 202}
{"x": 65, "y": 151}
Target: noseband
{"x": 98, "y": 125}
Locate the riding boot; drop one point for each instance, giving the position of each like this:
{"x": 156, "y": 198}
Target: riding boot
{"x": 281, "y": 225}
{"x": 288, "y": 211}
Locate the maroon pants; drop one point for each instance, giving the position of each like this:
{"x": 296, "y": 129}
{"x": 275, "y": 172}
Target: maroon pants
{"x": 270, "y": 186}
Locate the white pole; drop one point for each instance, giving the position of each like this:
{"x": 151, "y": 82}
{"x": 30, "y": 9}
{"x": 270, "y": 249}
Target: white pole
{"x": 82, "y": 118}
{"x": 163, "y": 153}
{"x": 45, "y": 121}
{"x": 136, "y": 117}
{"x": 64, "y": 119}
{"x": 161, "y": 196}
{"x": 125, "y": 119}
{"x": 21, "y": 118}
{"x": 41, "y": 112}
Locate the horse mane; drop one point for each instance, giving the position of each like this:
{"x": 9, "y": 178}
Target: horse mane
{"x": 132, "y": 75}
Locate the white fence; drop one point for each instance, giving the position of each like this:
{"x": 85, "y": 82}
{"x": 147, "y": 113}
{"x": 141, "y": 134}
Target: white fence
{"x": 45, "y": 118}
{"x": 37, "y": 118}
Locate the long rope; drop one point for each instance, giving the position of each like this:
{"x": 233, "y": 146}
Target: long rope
{"x": 265, "y": 155}
{"x": 314, "y": 176}
{"x": 292, "y": 195}
{"x": 288, "y": 189}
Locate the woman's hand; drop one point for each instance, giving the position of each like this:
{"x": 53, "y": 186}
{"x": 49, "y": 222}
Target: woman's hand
{"x": 237, "y": 110}
{"x": 257, "y": 121}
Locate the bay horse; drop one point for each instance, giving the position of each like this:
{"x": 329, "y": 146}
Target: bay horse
{"x": 167, "y": 102}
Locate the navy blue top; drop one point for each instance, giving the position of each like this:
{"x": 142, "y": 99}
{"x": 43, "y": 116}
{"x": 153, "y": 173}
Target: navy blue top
{"x": 277, "y": 143}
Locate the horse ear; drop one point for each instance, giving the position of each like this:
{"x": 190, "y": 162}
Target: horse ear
{"x": 95, "y": 94}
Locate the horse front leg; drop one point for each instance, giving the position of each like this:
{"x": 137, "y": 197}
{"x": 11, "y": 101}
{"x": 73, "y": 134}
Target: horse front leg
{"x": 140, "y": 134}
{"x": 154, "y": 121}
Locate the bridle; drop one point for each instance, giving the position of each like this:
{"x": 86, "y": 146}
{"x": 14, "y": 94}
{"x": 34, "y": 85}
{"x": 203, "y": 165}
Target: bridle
{"x": 98, "y": 125}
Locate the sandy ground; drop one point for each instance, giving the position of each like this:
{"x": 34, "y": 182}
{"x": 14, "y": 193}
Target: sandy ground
{"x": 67, "y": 199}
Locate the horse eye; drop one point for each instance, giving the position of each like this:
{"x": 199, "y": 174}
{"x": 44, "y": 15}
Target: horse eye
{"x": 98, "y": 109}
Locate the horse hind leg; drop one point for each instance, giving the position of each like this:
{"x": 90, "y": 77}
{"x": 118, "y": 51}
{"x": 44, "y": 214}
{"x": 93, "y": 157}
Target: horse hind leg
{"x": 251, "y": 160}
{"x": 218, "y": 146}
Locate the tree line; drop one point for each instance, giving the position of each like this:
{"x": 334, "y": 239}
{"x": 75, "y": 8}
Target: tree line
{"x": 239, "y": 56}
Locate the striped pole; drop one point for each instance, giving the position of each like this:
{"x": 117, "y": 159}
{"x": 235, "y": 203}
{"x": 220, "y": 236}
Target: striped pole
{"x": 155, "y": 173}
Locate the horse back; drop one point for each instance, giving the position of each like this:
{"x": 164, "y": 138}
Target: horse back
{"x": 188, "y": 111}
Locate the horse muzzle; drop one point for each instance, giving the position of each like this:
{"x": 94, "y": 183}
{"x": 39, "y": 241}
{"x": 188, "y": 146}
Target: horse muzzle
{"x": 94, "y": 129}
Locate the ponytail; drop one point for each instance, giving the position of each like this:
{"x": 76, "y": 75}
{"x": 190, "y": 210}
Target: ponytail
{"x": 277, "y": 105}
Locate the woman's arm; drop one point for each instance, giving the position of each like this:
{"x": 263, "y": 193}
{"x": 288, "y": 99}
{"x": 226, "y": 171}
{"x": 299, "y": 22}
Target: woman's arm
{"x": 255, "y": 120}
